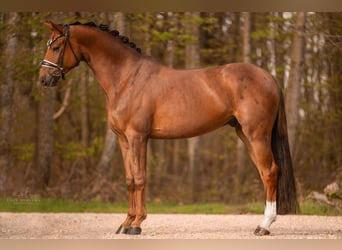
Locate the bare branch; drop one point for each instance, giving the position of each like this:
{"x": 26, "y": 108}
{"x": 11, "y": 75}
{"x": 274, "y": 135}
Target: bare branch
{"x": 65, "y": 101}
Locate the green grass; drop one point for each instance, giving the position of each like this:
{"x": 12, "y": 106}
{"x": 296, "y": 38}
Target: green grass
{"x": 48, "y": 206}
{"x": 205, "y": 208}
{"x": 312, "y": 208}
{"x": 58, "y": 206}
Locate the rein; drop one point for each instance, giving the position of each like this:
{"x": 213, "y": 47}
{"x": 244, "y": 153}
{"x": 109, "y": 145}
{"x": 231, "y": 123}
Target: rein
{"x": 58, "y": 66}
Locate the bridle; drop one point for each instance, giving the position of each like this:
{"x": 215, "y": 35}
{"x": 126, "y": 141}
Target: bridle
{"x": 58, "y": 66}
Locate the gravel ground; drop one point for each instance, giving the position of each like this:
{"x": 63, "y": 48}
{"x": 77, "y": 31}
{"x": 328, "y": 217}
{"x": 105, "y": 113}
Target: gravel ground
{"x": 164, "y": 226}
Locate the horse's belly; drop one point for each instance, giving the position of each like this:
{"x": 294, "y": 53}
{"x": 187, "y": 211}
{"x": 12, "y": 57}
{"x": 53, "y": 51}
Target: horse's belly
{"x": 185, "y": 127}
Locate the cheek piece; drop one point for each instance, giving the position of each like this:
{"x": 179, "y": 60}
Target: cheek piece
{"x": 58, "y": 66}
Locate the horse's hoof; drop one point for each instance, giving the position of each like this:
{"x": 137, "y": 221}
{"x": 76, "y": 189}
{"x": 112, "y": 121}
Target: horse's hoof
{"x": 122, "y": 230}
{"x": 259, "y": 231}
{"x": 134, "y": 231}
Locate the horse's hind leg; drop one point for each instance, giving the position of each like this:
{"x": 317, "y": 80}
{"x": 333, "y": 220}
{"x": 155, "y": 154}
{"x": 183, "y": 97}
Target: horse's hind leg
{"x": 258, "y": 142}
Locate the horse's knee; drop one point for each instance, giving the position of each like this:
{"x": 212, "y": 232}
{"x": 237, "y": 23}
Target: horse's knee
{"x": 139, "y": 181}
{"x": 129, "y": 182}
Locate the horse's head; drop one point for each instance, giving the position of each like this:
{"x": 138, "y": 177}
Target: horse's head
{"x": 61, "y": 56}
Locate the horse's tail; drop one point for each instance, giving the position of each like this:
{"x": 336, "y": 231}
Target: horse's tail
{"x": 286, "y": 188}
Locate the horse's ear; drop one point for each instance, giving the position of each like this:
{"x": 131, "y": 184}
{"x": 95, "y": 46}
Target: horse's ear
{"x": 54, "y": 27}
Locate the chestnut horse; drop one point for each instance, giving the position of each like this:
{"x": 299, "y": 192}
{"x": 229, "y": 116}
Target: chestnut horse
{"x": 146, "y": 99}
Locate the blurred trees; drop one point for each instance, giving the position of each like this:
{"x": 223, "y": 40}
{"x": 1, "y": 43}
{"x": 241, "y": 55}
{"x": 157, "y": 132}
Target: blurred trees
{"x": 192, "y": 61}
{"x": 9, "y": 46}
{"x": 242, "y": 154}
{"x": 62, "y": 157}
{"x": 293, "y": 92}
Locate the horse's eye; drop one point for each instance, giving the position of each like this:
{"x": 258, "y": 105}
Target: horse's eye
{"x": 55, "y": 49}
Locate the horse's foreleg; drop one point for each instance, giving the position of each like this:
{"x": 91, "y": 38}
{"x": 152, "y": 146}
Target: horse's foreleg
{"x": 125, "y": 226}
{"x": 134, "y": 154}
{"x": 139, "y": 147}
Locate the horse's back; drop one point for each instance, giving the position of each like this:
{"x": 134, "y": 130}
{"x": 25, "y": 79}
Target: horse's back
{"x": 198, "y": 101}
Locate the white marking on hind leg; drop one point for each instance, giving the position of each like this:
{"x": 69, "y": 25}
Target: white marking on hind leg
{"x": 270, "y": 214}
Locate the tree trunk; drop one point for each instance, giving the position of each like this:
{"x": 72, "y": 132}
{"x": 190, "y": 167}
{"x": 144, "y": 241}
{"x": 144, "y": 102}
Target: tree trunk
{"x": 233, "y": 38}
{"x": 241, "y": 169}
{"x": 108, "y": 152}
{"x": 6, "y": 95}
{"x": 279, "y": 51}
{"x": 107, "y": 156}
{"x": 170, "y": 61}
{"x": 192, "y": 58}
{"x": 83, "y": 94}
{"x": 294, "y": 81}
{"x": 44, "y": 140}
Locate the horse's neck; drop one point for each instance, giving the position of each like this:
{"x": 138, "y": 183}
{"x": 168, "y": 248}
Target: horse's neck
{"x": 110, "y": 59}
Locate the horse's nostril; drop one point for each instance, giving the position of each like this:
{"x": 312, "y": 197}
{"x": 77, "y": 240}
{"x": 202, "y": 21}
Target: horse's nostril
{"x": 42, "y": 80}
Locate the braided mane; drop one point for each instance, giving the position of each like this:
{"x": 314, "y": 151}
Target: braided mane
{"x": 114, "y": 33}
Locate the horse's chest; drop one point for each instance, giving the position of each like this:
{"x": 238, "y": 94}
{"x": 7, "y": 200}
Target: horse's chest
{"x": 117, "y": 119}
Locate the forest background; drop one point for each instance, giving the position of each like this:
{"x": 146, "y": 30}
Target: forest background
{"x": 55, "y": 143}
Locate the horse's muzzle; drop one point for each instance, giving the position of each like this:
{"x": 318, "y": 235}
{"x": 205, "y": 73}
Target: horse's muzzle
{"x": 49, "y": 80}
